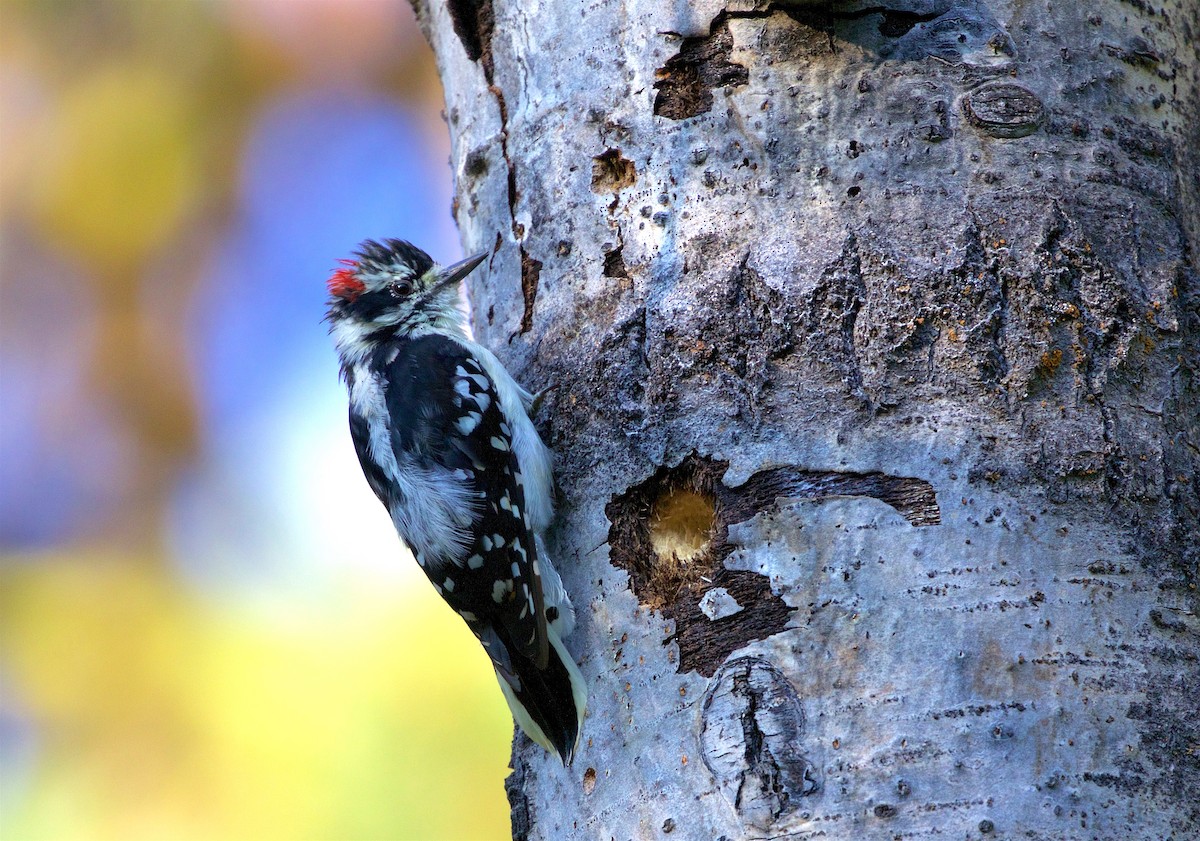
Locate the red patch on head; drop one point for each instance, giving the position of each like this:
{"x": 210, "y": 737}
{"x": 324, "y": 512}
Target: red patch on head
{"x": 343, "y": 284}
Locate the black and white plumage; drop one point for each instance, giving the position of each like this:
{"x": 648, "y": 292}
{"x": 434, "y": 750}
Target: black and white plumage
{"x": 444, "y": 437}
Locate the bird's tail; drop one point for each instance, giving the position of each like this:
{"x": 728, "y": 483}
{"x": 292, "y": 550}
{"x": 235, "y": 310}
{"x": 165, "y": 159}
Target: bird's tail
{"x": 547, "y": 703}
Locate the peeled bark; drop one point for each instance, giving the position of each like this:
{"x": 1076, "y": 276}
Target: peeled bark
{"x": 872, "y": 332}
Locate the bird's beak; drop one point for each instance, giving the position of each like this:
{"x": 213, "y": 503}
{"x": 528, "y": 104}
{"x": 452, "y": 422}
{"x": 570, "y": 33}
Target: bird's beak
{"x": 453, "y": 274}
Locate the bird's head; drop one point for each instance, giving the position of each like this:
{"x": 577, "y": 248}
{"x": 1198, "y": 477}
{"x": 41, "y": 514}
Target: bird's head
{"x": 393, "y": 289}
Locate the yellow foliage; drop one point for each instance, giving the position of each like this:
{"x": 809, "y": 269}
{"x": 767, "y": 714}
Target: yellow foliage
{"x": 160, "y": 714}
{"x": 121, "y": 167}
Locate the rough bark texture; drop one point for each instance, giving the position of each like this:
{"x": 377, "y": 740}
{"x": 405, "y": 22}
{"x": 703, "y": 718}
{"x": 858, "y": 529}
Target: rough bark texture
{"x": 873, "y": 331}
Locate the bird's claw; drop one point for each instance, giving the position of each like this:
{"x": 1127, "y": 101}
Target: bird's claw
{"x": 536, "y": 403}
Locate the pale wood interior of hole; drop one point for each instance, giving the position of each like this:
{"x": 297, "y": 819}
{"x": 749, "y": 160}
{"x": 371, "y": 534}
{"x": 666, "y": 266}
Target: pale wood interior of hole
{"x": 681, "y": 527}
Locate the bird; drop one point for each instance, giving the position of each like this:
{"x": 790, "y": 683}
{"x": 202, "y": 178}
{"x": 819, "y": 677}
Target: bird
{"x": 445, "y": 439}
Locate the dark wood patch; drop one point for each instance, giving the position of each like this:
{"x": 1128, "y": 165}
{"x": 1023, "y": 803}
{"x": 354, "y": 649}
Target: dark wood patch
{"x": 676, "y": 587}
{"x": 531, "y": 273}
{"x": 685, "y": 83}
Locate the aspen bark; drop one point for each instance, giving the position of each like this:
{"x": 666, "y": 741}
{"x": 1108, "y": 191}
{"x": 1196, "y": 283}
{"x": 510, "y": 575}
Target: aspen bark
{"x": 872, "y": 332}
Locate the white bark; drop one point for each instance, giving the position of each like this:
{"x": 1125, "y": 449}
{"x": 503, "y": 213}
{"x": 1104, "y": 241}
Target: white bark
{"x": 885, "y": 319}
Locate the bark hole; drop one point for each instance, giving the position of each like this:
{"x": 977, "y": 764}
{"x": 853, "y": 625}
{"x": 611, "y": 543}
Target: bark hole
{"x": 667, "y": 532}
{"x": 474, "y": 21}
{"x": 614, "y": 263}
{"x": 612, "y": 172}
{"x": 685, "y": 83}
{"x": 531, "y": 273}
{"x": 671, "y": 534}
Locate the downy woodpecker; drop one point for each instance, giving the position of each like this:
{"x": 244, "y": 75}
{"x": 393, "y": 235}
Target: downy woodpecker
{"x": 444, "y": 438}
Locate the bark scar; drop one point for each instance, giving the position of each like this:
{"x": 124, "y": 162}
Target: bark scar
{"x": 752, "y": 734}
{"x": 686, "y": 82}
{"x": 671, "y": 573}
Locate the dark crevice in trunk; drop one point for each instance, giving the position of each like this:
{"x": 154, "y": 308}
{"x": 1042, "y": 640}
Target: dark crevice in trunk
{"x": 531, "y": 273}
{"x": 520, "y": 812}
{"x": 474, "y": 21}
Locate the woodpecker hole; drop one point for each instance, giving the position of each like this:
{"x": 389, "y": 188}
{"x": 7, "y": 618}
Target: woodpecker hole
{"x": 682, "y": 528}
{"x": 670, "y": 533}
{"x": 666, "y": 531}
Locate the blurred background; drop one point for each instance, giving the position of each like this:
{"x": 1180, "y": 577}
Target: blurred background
{"x": 208, "y": 629}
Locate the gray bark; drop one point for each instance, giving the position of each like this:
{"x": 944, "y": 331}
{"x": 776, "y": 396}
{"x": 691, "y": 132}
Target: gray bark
{"x": 873, "y": 332}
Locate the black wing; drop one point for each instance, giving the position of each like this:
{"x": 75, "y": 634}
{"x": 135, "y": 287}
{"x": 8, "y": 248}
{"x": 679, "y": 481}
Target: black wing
{"x": 461, "y": 427}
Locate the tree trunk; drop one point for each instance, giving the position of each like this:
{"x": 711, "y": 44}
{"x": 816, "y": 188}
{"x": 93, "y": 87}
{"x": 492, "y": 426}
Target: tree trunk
{"x": 873, "y": 338}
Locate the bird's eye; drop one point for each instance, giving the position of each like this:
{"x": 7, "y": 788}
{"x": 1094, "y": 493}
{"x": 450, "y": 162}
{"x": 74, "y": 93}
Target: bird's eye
{"x": 400, "y": 288}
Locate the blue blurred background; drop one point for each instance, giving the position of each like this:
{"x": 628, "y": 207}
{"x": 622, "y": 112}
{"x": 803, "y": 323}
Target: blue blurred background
{"x": 208, "y": 628}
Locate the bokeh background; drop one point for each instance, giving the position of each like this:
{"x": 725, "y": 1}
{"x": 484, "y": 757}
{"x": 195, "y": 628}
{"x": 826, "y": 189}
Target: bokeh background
{"x": 208, "y": 629}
